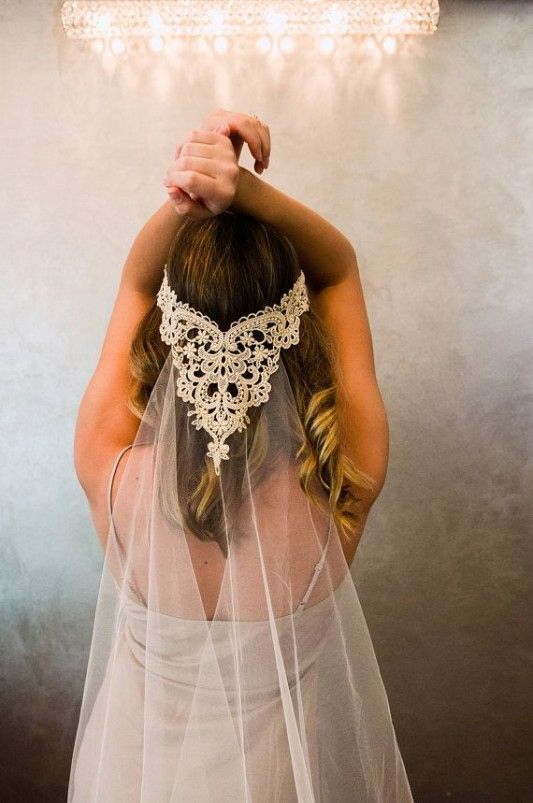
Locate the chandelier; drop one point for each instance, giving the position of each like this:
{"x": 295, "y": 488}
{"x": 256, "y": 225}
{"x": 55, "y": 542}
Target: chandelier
{"x": 113, "y": 24}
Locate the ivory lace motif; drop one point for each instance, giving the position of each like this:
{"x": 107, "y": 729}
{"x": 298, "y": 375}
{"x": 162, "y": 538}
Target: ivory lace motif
{"x": 223, "y": 373}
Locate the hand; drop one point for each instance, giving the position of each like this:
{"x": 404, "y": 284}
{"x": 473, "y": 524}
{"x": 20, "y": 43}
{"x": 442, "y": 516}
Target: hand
{"x": 204, "y": 175}
{"x": 243, "y": 128}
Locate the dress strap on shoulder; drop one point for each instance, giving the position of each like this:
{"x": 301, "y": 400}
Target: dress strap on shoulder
{"x": 111, "y": 478}
{"x": 127, "y": 581}
{"x": 318, "y": 568}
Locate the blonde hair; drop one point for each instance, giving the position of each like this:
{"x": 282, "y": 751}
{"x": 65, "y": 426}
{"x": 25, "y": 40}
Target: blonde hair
{"x": 227, "y": 266}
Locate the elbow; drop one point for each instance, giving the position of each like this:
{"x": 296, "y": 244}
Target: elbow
{"x": 365, "y": 439}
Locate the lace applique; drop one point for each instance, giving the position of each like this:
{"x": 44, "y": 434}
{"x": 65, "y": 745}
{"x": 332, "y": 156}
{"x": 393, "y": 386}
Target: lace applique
{"x": 223, "y": 373}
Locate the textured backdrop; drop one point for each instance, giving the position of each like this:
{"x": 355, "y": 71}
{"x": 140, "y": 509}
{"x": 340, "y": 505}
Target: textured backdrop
{"x": 424, "y": 161}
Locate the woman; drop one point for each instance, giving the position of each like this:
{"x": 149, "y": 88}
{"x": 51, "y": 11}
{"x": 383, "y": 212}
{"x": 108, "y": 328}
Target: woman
{"x": 231, "y": 444}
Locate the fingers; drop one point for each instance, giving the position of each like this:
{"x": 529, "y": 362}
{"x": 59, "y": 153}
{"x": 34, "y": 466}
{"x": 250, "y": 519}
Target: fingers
{"x": 205, "y": 137}
{"x": 188, "y": 206}
{"x": 201, "y": 164}
{"x": 190, "y": 181}
{"x": 186, "y": 149}
{"x": 268, "y": 145}
{"x": 207, "y": 144}
{"x": 203, "y": 176}
{"x": 253, "y": 131}
{"x": 257, "y": 133}
{"x": 215, "y": 119}
{"x": 253, "y": 134}
{"x": 194, "y": 149}
{"x": 177, "y": 195}
{"x": 212, "y": 168}
{"x": 207, "y": 158}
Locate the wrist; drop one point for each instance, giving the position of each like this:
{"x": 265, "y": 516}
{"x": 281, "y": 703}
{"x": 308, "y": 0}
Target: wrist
{"x": 245, "y": 191}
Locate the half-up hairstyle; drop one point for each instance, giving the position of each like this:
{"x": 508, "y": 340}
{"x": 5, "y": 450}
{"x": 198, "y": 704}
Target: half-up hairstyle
{"x": 228, "y": 266}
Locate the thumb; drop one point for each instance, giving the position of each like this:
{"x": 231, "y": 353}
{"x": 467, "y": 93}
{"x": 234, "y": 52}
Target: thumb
{"x": 223, "y": 129}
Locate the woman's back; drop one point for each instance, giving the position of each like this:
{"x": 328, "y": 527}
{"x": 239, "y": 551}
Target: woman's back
{"x": 309, "y": 532}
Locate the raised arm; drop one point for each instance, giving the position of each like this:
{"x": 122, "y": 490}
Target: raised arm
{"x": 105, "y": 424}
{"x": 330, "y": 266}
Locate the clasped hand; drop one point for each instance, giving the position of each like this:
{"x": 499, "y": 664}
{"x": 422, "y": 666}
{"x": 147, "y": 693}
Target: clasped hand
{"x": 203, "y": 177}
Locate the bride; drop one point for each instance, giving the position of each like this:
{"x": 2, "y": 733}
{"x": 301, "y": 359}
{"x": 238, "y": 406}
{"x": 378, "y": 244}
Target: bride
{"x": 231, "y": 444}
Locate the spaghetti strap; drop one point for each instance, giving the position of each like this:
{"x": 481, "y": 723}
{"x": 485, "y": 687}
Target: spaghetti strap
{"x": 110, "y": 486}
{"x": 318, "y": 568}
{"x": 121, "y": 551}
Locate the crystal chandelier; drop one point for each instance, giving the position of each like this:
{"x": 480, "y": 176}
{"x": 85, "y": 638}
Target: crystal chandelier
{"x": 114, "y": 23}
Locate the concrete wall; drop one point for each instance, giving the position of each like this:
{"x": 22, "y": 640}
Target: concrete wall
{"x": 423, "y": 159}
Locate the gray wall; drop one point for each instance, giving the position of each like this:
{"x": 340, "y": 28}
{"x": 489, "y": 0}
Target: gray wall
{"x": 424, "y": 161}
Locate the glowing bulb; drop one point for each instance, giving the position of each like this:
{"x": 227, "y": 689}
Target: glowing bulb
{"x": 155, "y": 22}
{"x": 264, "y": 44}
{"x": 338, "y": 20}
{"x": 287, "y": 44}
{"x": 221, "y": 44}
{"x": 276, "y": 22}
{"x": 156, "y": 44}
{"x": 394, "y": 20}
{"x": 118, "y": 46}
{"x": 370, "y": 45}
{"x": 103, "y": 23}
{"x": 327, "y": 44}
{"x": 217, "y": 19}
{"x": 389, "y": 44}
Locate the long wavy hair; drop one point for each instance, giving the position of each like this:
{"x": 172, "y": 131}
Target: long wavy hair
{"x": 228, "y": 266}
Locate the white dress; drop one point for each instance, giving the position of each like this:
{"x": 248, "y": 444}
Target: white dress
{"x": 266, "y": 742}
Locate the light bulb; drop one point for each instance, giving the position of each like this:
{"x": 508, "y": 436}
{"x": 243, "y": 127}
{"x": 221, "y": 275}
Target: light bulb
{"x": 217, "y": 20}
{"x": 217, "y": 16}
{"x": 118, "y": 46}
{"x": 394, "y": 20}
{"x": 263, "y": 44}
{"x": 221, "y": 44}
{"x": 287, "y": 44}
{"x": 155, "y": 22}
{"x": 338, "y": 20}
{"x": 326, "y": 44}
{"x": 276, "y": 22}
{"x": 156, "y": 44}
{"x": 389, "y": 45}
{"x": 103, "y": 23}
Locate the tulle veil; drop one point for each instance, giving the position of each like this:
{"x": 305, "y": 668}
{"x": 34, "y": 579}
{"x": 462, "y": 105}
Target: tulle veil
{"x": 236, "y": 669}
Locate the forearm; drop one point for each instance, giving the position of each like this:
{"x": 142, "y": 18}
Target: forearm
{"x": 325, "y": 254}
{"x": 143, "y": 269}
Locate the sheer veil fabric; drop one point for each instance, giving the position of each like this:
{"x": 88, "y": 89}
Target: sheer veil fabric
{"x": 237, "y": 670}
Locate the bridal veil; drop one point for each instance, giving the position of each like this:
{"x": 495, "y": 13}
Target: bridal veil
{"x": 236, "y": 669}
